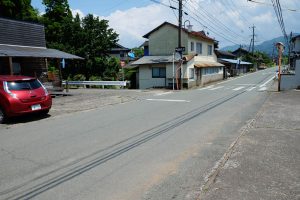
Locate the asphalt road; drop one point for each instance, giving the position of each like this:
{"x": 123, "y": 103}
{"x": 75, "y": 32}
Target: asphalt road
{"x": 159, "y": 147}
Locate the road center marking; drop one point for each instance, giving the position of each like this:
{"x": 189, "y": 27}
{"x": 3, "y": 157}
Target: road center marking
{"x": 238, "y": 88}
{"x": 250, "y": 89}
{"x": 169, "y": 100}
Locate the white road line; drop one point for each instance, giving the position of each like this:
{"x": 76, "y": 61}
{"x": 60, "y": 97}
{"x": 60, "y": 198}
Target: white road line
{"x": 164, "y": 93}
{"x": 250, "y": 89}
{"x": 265, "y": 83}
{"x": 238, "y": 88}
{"x": 205, "y": 88}
{"x": 169, "y": 100}
{"x": 262, "y": 89}
{"x": 215, "y": 88}
{"x": 246, "y": 84}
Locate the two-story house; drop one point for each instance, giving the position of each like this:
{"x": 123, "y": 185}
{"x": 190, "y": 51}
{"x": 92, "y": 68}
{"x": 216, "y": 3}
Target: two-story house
{"x": 158, "y": 68}
{"x": 120, "y": 52}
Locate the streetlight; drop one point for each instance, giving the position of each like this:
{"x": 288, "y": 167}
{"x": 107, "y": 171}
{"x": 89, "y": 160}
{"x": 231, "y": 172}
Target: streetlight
{"x": 280, "y": 48}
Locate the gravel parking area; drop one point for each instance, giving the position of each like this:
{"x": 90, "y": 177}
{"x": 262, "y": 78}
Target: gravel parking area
{"x": 86, "y": 99}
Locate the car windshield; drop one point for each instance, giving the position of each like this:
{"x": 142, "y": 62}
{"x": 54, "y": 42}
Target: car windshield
{"x": 23, "y": 85}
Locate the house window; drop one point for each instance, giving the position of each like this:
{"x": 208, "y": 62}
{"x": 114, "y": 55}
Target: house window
{"x": 213, "y": 70}
{"x": 199, "y": 48}
{"x": 158, "y": 72}
{"x": 209, "y": 50}
{"x": 191, "y": 74}
{"x": 192, "y": 46}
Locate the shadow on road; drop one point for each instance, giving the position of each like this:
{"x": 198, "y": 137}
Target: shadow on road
{"x": 26, "y": 118}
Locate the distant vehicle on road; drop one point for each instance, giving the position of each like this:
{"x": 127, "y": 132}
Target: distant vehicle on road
{"x": 21, "y": 95}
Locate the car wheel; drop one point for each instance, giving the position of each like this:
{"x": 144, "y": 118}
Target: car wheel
{"x": 2, "y": 116}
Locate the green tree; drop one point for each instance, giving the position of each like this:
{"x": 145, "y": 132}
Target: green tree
{"x": 18, "y": 9}
{"x": 258, "y": 59}
{"x": 57, "y": 19}
{"x": 97, "y": 39}
{"x": 112, "y": 69}
{"x": 138, "y": 52}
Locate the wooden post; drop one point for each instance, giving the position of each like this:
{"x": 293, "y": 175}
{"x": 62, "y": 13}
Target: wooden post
{"x": 280, "y": 48}
{"x": 60, "y": 72}
{"x": 11, "y": 69}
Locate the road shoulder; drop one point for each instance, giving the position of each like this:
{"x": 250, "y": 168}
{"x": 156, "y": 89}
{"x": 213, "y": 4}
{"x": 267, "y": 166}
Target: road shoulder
{"x": 265, "y": 162}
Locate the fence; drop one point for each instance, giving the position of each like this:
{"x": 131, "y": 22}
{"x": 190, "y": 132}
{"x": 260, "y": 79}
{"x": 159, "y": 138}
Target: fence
{"x": 95, "y": 83}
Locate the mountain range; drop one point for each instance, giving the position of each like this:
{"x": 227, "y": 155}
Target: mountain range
{"x": 267, "y": 46}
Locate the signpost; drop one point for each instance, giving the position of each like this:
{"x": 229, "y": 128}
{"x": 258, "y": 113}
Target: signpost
{"x": 177, "y": 55}
{"x": 122, "y": 63}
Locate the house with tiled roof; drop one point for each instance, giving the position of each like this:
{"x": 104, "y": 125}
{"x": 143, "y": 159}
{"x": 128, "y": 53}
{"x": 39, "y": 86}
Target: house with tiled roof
{"x": 159, "y": 69}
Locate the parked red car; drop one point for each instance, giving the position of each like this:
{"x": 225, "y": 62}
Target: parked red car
{"x": 22, "y": 95}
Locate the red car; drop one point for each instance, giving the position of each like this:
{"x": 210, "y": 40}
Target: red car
{"x": 22, "y": 95}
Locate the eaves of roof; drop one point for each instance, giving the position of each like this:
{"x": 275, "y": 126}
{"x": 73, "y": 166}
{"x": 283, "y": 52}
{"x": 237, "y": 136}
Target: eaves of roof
{"x": 199, "y": 35}
{"x": 34, "y": 52}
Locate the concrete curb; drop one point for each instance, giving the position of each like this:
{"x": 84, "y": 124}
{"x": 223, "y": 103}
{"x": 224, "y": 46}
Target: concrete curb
{"x": 212, "y": 175}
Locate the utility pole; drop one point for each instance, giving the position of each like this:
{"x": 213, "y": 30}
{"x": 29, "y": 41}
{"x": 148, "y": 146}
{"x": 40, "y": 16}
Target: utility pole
{"x": 179, "y": 23}
{"x": 179, "y": 40}
{"x": 253, "y": 35}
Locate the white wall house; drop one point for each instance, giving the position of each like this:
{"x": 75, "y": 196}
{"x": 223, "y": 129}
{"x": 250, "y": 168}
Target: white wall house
{"x": 199, "y": 65}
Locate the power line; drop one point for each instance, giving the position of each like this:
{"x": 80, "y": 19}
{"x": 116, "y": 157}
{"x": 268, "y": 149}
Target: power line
{"x": 173, "y": 10}
{"x": 269, "y": 4}
{"x": 278, "y": 12}
{"x": 216, "y": 22}
{"x": 169, "y": 6}
{"x": 211, "y": 22}
{"x": 210, "y": 28}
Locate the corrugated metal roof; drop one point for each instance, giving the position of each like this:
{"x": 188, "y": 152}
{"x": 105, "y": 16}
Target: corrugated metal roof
{"x": 232, "y": 61}
{"x": 152, "y": 60}
{"x": 36, "y": 52}
{"x": 202, "y": 64}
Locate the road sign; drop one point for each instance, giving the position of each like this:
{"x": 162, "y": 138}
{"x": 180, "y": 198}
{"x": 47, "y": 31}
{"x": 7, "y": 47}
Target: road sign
{"x": 180, "y": 49}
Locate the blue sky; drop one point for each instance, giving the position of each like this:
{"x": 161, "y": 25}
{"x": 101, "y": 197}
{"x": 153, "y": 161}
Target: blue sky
{"x": 99, "y": 7}
{"x": 227, "y": 21}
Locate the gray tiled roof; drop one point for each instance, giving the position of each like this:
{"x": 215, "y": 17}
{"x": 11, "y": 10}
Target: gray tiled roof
{"x": 37, "y": 52}
{"x": 152, "y": 60}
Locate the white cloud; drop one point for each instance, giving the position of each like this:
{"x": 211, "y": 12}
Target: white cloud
{"x": 237, "y": 16}
{"x": 132, "y": 24}
{"x": 77, "y": 11}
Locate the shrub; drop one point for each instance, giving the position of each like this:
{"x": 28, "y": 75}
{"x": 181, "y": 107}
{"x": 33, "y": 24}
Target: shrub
{"x": 79, "y": 77}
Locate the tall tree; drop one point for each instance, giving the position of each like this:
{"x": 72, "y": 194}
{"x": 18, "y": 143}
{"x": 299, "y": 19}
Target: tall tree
{"x": 18, "y": 9}
{"x": 98, "y": 39}
{"x": 57, "y": 18}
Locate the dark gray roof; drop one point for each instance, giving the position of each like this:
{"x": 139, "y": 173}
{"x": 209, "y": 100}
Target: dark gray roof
{"x": 36, "y": 52}
{"x": 224, "y": 53}
{"x": 153, "y": 60}
{"x": 21, "y": 33}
